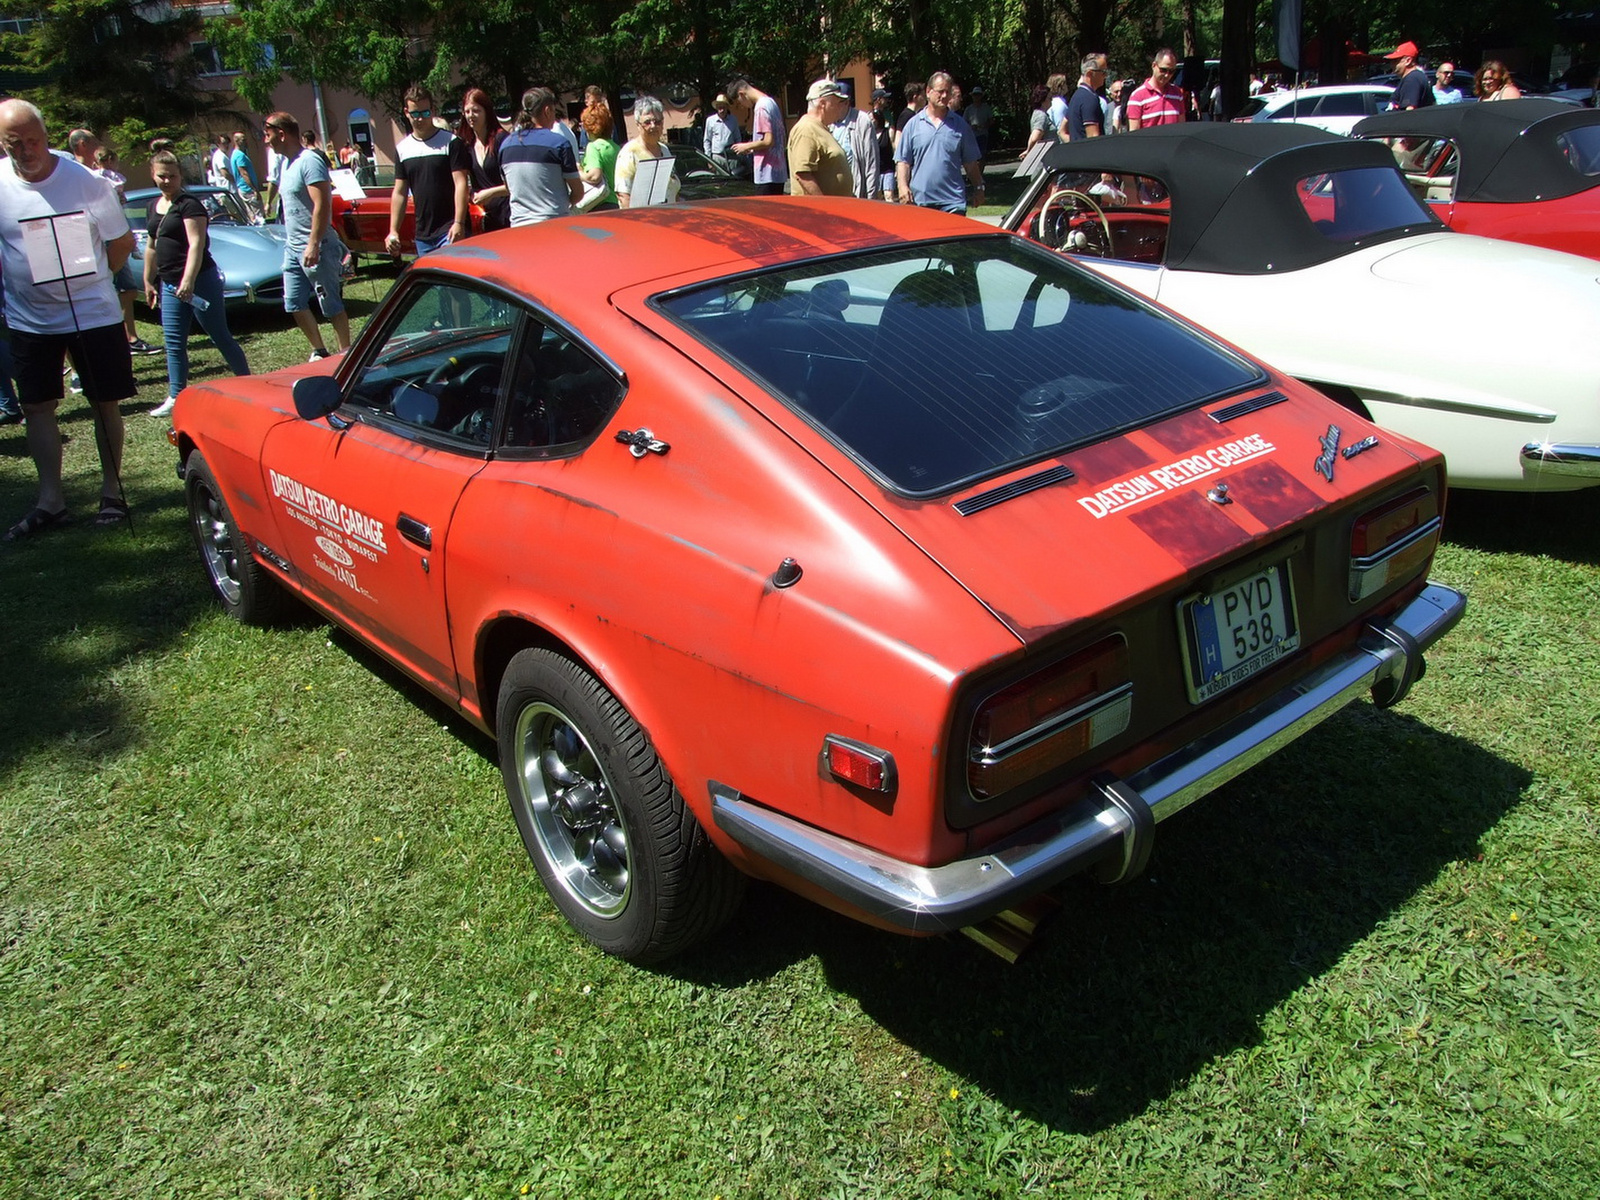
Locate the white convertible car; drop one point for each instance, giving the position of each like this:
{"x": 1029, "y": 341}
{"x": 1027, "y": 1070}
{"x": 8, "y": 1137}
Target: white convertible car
{"x": 1310, "y": 251}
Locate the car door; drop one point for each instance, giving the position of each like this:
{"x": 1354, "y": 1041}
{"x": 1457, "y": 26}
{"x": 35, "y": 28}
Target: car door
{"x": 367, "y": 497}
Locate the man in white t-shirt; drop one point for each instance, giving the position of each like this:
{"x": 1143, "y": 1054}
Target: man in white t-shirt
{"x": 219, "y": 175}
{"x": 62, "y": 236}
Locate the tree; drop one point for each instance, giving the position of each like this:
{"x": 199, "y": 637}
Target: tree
{"x": 104, "y": 65}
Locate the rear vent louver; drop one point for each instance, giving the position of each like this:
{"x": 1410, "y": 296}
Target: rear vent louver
{"x": 1240, "y": 408}
{"x": 1017, "y": 487}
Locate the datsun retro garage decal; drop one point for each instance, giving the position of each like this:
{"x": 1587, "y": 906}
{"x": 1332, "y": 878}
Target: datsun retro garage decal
{"x": 1158, "y": 481}
{"x": 343, "y": 534}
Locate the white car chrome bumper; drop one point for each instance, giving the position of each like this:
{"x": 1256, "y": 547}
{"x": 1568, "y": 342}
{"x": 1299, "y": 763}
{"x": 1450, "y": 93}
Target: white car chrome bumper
{"x": 1556, "y": 458}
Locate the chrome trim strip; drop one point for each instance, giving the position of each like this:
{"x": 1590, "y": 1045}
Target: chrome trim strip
{"x": 1105, "y": 702}
{"x": 1507, "y": 411}
{"x": 1554, "y": 458}
{"x": 968, "y": 890}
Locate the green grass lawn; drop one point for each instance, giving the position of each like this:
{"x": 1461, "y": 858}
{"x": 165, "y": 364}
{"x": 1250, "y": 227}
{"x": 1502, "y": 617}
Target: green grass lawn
{"x": 267, "y": 930}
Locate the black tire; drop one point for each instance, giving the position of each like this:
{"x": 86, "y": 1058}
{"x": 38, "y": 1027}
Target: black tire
{"x": 618, "y": 850}
{"x": 247, "y": 592}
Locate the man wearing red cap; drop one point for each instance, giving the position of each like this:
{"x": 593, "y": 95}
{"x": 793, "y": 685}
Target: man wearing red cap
{"x": 1413, "y": 90}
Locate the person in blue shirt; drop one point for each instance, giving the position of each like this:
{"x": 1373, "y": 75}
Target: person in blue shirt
{"x": 932, "y": 152}
{"x": 244, "y": 178}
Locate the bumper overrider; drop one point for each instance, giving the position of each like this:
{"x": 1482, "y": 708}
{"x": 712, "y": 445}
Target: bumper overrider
{"x": 1113, "y": 827}
{"x": 1557, "y": 458}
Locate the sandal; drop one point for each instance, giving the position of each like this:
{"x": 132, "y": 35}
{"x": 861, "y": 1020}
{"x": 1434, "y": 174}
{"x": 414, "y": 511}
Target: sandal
{"x": 37, "y": 521}
{"x": 112, "y": 512}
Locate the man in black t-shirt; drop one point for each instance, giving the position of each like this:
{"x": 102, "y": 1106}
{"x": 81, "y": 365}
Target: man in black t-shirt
{"x": 431, "y": 163}
{"x": 1413, "y": 90}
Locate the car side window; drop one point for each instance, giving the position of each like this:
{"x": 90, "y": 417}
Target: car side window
{"x": 560, "y": 393}
{"x": 440, "y": 367}
{"x": 1344, "y": 104}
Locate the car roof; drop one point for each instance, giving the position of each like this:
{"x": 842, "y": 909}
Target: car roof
{"x": 1277, "y": 99}
{"x": 583, "y": 260}
{"x": 1509, "y": 152}
{"x": 1233, "y": 208}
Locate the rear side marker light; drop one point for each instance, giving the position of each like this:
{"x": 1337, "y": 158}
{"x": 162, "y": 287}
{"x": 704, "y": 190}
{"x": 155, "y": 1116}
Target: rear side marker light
{"x": 1049, "y": 718}
{"x": 1392, "y": 541}
{"x": 859, "y": 764}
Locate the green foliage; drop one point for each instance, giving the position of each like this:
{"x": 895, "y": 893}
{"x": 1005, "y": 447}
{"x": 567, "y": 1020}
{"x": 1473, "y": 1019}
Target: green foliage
{"x": 109, "y": 66}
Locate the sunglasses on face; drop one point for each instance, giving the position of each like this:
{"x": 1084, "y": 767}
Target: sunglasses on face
{"x": 420, "y": 114}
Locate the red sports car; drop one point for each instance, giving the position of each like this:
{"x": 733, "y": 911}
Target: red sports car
{"x": 865, "y": 549}
{"x": 1524, "y": 170}
{"x": 364, "y": 223}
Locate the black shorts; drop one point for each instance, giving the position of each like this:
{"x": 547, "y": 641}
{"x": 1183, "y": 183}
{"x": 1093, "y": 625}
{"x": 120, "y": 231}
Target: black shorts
{"x": 101, "y": 357}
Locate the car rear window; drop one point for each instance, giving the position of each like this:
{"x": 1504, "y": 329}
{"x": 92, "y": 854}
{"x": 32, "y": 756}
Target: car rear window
{"x": 935, "y": 365}
{"x": 1362, "y": 202}
{"x": 1581, "y": 148}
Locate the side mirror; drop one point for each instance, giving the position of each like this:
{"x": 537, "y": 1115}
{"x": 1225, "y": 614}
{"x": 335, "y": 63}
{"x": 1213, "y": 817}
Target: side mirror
{"x": 316, "y": 396}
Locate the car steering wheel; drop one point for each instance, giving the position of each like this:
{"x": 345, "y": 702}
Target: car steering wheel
{"x": 1063, "y": 236}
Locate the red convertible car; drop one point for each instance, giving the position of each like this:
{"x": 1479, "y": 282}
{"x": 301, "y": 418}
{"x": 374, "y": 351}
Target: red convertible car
{"x": 867, "y": 550}
{"x": 1524, "y": 170}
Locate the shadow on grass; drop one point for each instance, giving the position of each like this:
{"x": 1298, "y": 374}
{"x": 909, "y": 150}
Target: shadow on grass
{"x": 1250, "y": 895}
{"x": 1564, "y": 525}
{"x": 79, "y": 602}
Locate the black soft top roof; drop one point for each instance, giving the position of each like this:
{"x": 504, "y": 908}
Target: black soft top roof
{"x": 1508, "y": 148}
{"x": 1232, "y": 187}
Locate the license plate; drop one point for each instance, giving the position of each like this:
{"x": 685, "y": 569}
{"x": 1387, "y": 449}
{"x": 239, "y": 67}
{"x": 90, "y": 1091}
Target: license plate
{"x": 1239, "y": 630}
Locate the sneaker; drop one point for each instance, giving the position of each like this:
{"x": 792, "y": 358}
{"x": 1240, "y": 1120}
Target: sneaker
{"x": 10, "y": 414}
{"x": 317, "y": 354}
{"x": 164, "y": 407}
{"x": 140, "y": 346}
{"x": 75, "y": 385}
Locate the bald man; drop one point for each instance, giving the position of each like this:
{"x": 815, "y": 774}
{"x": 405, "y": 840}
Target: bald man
{"x": 38, "y": 190}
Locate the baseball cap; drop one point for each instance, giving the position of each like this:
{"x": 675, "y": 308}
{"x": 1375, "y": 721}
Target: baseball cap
{"x": 1404, "y": 50}
{"x": 824, "y": 87}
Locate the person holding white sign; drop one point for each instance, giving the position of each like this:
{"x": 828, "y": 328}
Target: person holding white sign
{"x": 62, "y": 236}
{"x": 651, "y": 118}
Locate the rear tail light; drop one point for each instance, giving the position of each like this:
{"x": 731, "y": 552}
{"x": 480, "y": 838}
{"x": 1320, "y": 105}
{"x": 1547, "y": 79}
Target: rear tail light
{"x": 859, "y": 764}
{"x": 1393, "y": 540}
{"x": 1049, "y": 718}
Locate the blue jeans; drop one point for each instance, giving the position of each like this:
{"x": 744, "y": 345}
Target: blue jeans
{"x": 175, "y": 319}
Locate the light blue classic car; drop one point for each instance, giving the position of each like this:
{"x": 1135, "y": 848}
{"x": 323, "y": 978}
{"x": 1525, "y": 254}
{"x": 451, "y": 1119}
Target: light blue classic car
{"x": 249, "y": 256}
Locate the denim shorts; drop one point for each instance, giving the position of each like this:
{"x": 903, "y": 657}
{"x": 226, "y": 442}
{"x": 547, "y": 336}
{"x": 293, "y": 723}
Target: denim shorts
{"x": 298, "y": 284}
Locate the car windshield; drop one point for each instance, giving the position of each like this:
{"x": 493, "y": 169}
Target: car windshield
{"x": 224, "y": 208}
{"x": 936, "y": 365}
{"x": 1362, "y": 202}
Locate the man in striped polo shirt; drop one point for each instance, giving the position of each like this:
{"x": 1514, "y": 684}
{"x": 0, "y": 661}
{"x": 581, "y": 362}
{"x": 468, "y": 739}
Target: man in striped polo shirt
{"x": 1158, "y": 100}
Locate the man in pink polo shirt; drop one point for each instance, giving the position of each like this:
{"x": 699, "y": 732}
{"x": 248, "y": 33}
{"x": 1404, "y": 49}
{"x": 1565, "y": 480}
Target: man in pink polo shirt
{"x": 1158, "y": 100}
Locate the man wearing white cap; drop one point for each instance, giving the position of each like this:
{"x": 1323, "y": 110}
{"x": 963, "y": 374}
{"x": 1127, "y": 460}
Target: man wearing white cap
{"x": 817, "y": 163}
{"x": 1413, "y": 90}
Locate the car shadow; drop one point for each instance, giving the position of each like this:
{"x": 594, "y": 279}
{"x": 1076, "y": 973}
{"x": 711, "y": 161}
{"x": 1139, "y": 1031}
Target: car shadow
{"x": 1565, "y": 525}
{"x": 1250, "y": 895}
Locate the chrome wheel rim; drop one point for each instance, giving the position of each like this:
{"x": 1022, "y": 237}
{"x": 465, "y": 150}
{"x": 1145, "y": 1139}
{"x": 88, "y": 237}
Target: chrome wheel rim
{"x": 216, "y": 544}
{"x": 573, "y": 812}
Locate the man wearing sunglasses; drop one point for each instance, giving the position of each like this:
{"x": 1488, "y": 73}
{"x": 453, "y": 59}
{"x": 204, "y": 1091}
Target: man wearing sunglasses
{"x": 1445, "y": 88}
{"x": 431, "y": 163}
{"x": 1158, "y": 100}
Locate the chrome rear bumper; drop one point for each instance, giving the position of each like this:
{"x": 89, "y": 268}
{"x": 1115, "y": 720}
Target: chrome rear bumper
{"x": 1113, "y": 826}
{"x": 1556, "y": 458}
